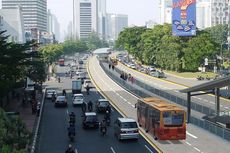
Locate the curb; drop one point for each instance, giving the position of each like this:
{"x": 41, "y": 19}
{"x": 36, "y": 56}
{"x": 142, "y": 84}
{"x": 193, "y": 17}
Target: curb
{"x": 34, "y": 143}
{"x": 120, "y": 111}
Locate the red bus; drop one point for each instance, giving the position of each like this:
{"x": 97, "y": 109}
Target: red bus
{"x": 61, "y": 62}
{"x": 163, "y": 120}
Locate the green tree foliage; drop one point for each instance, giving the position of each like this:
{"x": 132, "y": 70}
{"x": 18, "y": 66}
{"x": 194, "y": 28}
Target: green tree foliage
{"x": 51, "y": 52}
{"x": 13, "y": 134}
{"x": 70, "y": 47}
{"x": 130, "y": 40}
{"x": 158, "y": 47}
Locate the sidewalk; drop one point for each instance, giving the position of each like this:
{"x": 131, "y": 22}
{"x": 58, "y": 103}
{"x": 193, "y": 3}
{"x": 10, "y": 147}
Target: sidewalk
{"x": 25, "y": 111}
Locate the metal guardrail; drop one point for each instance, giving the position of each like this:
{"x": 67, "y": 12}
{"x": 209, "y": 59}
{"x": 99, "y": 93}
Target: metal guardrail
{"x": 35, "y": 139}
{"x": 207, "y": 125}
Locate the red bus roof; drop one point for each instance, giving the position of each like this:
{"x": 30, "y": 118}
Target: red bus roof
{"x": 160, "y": 104}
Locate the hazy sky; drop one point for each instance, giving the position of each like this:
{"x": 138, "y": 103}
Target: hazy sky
{"x": 138, "y": 11}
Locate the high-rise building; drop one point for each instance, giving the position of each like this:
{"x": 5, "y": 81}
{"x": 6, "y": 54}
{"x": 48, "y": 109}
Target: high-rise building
{"x": 219, "y": 12}
{"x": 53, "y": 25}
{"x": 34, "y": 12}
{"x": 165, "y": 11}
{"x": 150, "y": 24}
{"x": 203, "y": 13}
{"x": 101, "y": 26}
{"x": 85, "y": 18}
{"x": 115, "y": 24}
{"x": 11, "y": 20}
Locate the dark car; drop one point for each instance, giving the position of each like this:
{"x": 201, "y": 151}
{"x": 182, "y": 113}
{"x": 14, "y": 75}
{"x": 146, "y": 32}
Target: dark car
{"x": 102, "y": 105}
{"x": 90, "y": 120}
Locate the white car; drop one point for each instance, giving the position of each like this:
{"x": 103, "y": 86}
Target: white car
{"x": 87, "y": 82}
{"x": 132, "y": 66}
{"x": 50, "y": 92}
{"x": 78, "y": 99}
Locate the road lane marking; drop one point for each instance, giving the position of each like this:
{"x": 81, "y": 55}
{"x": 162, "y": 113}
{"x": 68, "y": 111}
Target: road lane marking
{"x": 133, "y": 106}
{"x": 205, "y": 100}
{"x": 112, "y": 149}
{"x": 191, "y": 135}
{"x": 226, "y": 107}
{"x": 148, "y": 149}
{"x": 197, "y": 149}
{"x": 188, "y": 143}
{"x": 129, "y": 103}
{"x": 67, "y": 111}
{"x": 211, "y": 102}
{"x": 221, "y": 106}
{"x": 76, "y": 151}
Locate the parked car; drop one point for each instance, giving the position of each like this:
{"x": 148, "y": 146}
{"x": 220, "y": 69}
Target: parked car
{"x": 158, "y": 74}
{"x": 50, "y": 92}
{"x": 126, "y": 128}
{"x": 61, "y": 101}
{"x": 78, "y": 99}
{"x": 132, "y": 66}
{"x": 90, "y": 120}
{"x": 101, "y": 105}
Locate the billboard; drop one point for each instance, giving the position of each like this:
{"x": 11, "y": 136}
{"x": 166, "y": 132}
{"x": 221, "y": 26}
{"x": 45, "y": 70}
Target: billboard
{"x": 184, "y": 18}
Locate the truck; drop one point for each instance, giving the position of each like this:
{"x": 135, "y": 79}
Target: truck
{"x": 76, "y": 86}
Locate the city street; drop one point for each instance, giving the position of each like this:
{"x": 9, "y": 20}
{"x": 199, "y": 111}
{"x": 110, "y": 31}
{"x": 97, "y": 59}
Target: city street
{"x": 196, "y": 138}
{"x": 53, "y": 134}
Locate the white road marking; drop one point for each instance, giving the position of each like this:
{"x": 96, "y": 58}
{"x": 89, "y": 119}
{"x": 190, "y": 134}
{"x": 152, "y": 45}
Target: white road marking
{"x": 205, "y": 100}
{"x": 197, "y": 149}
{"x": 125, "y": 100}
{"x": 67, "y": 111}
{"x": 226, "y": 107}
{"x": 148, "y": 149}
{"x": 133, "y": 106}
{"x": 112, "y": 149}
{"x": 191, "y": 135}
{"x": 129, "y": 103}
{"x": 221, "y": 106}
{"x": 195, "y": 97}
{"x": 176, "y": 91}
{"x": 76, "y": 151}
{"x": 188, "y": 143}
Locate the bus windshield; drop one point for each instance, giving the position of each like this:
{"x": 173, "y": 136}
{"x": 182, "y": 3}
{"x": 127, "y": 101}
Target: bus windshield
{"x": 173, "y": 118}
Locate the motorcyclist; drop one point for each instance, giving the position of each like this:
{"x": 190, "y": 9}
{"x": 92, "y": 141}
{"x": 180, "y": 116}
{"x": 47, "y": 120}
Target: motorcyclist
{"x": 90, "y": 106}
{"x": 59, "y": 79}
{"x": 70, "y": 149}
{"x": 103, "y": 126}
{"x": 107, "y": 117}
{"x": 71, "y": 130}
{"x": 72, "y": 117}
{"x": 53, "y": 97}
{"x": 108, "y": 108}
{"x": 63, "y": 92}
{"x": 87, "y": 89}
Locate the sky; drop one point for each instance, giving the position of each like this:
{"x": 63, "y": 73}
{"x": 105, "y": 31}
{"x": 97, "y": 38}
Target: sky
{"x": 138, "y": 11}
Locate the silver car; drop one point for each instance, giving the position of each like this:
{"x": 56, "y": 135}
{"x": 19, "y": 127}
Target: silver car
{"x": 126, "y": 128}
{"x": 50, "y": 92}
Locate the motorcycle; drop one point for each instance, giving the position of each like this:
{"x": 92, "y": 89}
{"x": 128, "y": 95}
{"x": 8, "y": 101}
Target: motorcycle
{"x": 103, "y": 131}
{"x": 71, "y": 137}
{"x": 200, "y": 78}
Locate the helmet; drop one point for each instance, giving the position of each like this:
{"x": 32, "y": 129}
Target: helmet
{"x": 107, "y": 112}
{"x": 70, "y": 146}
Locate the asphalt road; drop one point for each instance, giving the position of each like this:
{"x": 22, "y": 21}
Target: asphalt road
{"x": 53, "y": 134}
{"x": 197, "y": 139}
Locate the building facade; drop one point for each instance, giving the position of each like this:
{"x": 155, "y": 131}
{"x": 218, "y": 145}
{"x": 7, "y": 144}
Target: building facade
{"x": 203, "y": 13}
{"x": 85, "y": 18}
{"x": 53, "y": 25}
{"x": 34, "y": 12}
{"x": 115, "y": 23}
{"x": 165, "y": 11}
{"x": 101, "y": 26}
{"x": 11, "y": 20}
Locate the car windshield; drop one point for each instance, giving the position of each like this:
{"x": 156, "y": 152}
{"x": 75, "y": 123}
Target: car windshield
{"x": 50, "y": 91}
{"x": 62, "y": 98}
{"x": 129, "y": 125}
{"x": 104, "y": 103}
{"x": 91, "y": 118}
{"x": 78, "y": 97}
